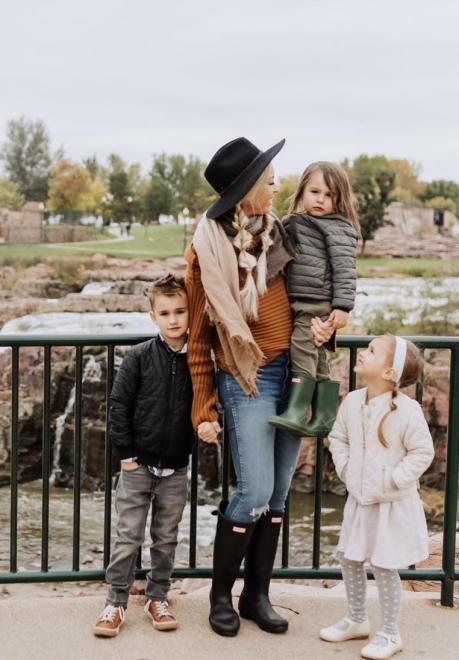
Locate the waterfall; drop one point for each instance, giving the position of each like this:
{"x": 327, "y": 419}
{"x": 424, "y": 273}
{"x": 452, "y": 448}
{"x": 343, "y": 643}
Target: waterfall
{"x": 92, "y": 373}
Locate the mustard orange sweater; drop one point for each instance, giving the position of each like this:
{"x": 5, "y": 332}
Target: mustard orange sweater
{"x": 272, "y": 332}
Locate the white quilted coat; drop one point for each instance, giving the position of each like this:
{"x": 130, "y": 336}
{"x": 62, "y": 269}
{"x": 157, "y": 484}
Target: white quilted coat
{"x": 372, "y": 472}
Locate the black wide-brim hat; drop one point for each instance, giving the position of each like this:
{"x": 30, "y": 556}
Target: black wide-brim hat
{"x": 234, "y": 170}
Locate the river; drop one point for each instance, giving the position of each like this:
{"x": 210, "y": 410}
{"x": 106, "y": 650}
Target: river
{"x": 92, "y": 525}
{"x": 416, "y": 296}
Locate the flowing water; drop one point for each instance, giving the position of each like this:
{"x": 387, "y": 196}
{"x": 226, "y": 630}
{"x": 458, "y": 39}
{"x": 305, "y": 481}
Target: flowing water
{"x": 92, "y": 526}
{"x": 413, "y": 295}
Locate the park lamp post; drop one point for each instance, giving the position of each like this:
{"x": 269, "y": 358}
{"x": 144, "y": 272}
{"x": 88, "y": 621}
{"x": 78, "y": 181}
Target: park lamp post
{"x": 185, "y": 214}
{"x": 129, "y": 201}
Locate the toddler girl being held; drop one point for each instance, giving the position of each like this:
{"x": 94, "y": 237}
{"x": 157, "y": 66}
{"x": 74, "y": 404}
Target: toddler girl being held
{"x": 323, "y": 227}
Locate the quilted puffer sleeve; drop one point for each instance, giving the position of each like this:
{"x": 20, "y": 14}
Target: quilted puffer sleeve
{"x": 121, "y": 406}
{"x": 419, "y": 449}
{"x": 341, "y": 246}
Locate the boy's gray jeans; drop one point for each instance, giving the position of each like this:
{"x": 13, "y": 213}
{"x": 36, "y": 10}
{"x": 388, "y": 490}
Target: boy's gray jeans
{"x": 138, "y": 489}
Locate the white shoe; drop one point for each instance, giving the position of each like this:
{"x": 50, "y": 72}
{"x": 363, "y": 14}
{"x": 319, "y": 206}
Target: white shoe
{"x": 353, "y": 630}
{"x": 382, "y": 646}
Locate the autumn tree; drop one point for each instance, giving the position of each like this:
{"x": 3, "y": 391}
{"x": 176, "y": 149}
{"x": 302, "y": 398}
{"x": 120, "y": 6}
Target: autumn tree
{"x": 287, "y": 187}
{"x": 445, "y": 189}
{"x": 72, "y": 191}
{"x": 407, "y": 186}
{"x": 373, "y": 181}
{"x": 10, "y": 197}
{"x": 96, "y": 171}
{"x": 120, "y": 190}
{"x": 27, "y": 157}
{"x": 177, "y": 182}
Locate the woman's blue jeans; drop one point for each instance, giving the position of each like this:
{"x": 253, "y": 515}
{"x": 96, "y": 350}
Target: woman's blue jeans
{"x": 264, "y": 458}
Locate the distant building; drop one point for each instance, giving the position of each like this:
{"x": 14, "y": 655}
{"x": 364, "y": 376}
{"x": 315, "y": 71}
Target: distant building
{"x": 24, "y": 226}
{"x": 419, "y": 221}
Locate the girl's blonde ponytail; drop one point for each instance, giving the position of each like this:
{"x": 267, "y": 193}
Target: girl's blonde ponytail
{"x": 393, "y": 406}
{"x": 411, "y": 372}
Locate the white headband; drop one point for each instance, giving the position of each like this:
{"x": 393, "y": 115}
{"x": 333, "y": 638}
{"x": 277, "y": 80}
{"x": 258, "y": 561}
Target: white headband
{"x": 399, "y": 358}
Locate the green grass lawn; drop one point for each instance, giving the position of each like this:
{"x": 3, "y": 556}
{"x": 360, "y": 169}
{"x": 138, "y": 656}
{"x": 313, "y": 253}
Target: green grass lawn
{"x": 160, "y": 242}
{"x": 155, "y": 242}
{"x": 408, "y": 267}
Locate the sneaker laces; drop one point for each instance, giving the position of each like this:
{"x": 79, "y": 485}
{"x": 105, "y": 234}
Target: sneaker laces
{"x": 162, "y": 607}
{"x": 108, "y": 614}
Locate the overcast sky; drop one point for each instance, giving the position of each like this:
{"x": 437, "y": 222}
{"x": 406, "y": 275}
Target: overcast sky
{"x": 336, "y": 78}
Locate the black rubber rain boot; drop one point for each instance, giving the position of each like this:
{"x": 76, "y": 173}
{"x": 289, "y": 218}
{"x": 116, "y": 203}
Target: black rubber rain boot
{"x": 231, "y": 541}
{"x": 294, "y": 419}
{"x": 254, "y": 601}
{"x": 324, "y": 407}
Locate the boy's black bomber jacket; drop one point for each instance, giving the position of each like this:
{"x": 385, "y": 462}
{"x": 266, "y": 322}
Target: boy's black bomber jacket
{"x": 150, "y": 406}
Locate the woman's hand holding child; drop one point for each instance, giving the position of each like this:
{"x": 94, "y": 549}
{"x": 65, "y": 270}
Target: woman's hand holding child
{"x": 321, "y": 330}
{"x": 208, "y": 431}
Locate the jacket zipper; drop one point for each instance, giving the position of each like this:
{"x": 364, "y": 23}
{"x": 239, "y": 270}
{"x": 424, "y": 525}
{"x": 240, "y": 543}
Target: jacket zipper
{"x": 171, "y": 394}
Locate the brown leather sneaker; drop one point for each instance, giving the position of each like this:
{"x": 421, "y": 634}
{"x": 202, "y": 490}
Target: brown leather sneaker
{"x": 110, "y": 621}
{"x": 160, "y": 615}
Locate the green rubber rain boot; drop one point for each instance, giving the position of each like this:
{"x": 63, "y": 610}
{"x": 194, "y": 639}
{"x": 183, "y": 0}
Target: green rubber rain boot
{"x": 294, "y": 419}
{"x": 324, "y": 406}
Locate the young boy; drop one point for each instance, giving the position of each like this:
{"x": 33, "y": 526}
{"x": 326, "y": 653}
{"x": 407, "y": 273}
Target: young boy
{"x": 150, "y": 427}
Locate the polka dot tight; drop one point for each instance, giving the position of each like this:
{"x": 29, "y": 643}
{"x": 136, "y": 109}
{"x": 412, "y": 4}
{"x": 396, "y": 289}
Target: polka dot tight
{"x": 355, "y": 583}
{"x": 390, "y": 596}
{"x": 389, "y": 593}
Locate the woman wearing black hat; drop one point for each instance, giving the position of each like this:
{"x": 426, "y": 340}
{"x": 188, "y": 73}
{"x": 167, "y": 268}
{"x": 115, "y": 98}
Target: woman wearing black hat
{"x": 239, "y": 310}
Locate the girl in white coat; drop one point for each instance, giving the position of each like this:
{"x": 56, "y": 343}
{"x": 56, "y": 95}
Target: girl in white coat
{"x": 381, "y": 445}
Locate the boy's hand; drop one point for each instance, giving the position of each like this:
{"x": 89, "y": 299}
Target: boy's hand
{"x": 208, "y": 431}
{"x": 131, "y": 465}
{"x": 321, "y": 330}
{"x": 339, "y": 318}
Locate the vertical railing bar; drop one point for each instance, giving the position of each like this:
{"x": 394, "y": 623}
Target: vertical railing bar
{"x": 46, "y": 434}
{"x": 226, "y": 461}
{"x": 193, "y": 507}
{"x": 420, "y": 382}
{"x": 108, "y": 458}
{"x": 14, "y": 459}
{"x": 317, "y": 503}
{"x": 451, "y": 488}
{"x": 77, "y": 458}
{"x": 451, "y": 481}
{"x": 138, "y": 561}
{"x": 352, "y": 374}
{"x": 286, "y": 534}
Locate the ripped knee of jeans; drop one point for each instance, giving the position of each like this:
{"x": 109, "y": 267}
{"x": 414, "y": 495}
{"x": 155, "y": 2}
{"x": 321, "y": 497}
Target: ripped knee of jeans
{"x": 257, "y": 511}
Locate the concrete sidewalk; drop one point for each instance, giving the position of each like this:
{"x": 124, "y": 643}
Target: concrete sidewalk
{"x": 59, "y": 628}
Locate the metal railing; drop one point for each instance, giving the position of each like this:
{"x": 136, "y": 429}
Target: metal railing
{"x": 447, "y": 574}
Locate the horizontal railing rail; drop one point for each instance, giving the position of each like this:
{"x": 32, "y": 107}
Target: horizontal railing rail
{"x": 447, "y": 574}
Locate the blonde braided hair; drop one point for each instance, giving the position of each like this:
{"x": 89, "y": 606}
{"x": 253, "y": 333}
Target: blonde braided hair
{"x": 243, "y": 241}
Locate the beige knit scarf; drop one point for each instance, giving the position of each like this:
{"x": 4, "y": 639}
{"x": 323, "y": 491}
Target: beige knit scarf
{"x": 219, "y": 267}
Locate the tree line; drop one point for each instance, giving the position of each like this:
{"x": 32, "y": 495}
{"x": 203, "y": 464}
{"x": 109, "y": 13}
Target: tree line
{"x": 117, "y": 190}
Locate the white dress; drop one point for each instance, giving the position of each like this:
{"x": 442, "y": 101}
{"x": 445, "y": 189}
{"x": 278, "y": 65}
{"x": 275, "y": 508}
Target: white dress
{"x": 389, "y": 534}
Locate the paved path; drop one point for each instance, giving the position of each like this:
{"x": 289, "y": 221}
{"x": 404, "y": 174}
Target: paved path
{"x": 76, "y": 244}
{"x": 59, "y": 628}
